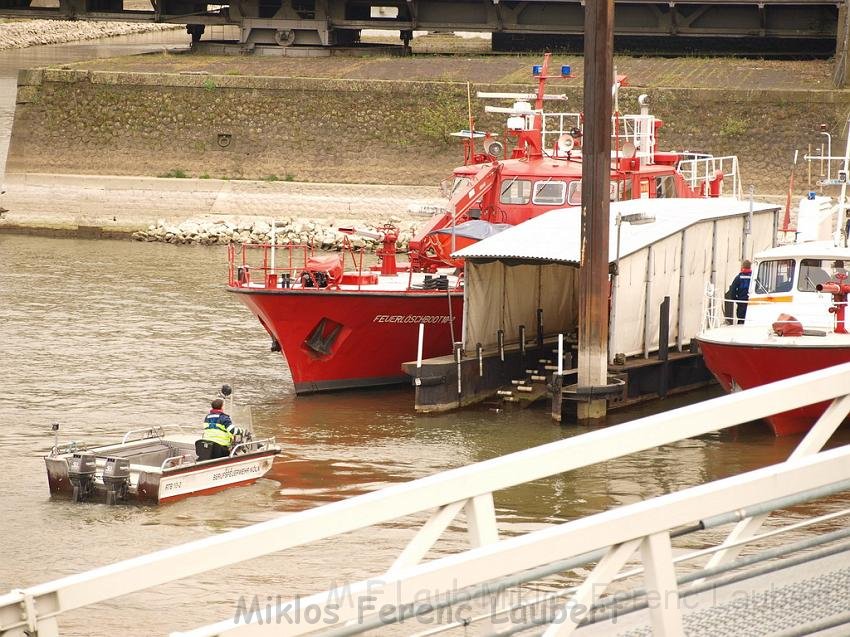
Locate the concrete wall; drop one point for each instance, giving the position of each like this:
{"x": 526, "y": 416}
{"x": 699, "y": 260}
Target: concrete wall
{"x": 356, "y": 131}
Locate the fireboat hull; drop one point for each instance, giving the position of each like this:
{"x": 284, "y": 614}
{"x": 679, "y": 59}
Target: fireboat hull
{"x": 742, "y": 365}
{"x": 338, "y": 339}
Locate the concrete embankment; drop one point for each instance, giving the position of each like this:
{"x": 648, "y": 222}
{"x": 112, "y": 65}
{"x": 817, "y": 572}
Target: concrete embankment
{"x": 245, "y": 137}
{"x": 374, "y": 129}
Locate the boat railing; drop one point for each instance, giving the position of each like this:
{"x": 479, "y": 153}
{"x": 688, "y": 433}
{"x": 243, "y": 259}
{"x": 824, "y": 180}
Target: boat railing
{"x": 719, "y": 311}
{"x": 600, "y": 544}
{"x": 68, "y": 447}
{"x": 637, "y": 130}
{"x": 252, "y": 445}
{"x": 286, "y": 265}
{"x": 557, "y": 124}
{"x": 700, "y": 170}
{"x": 142, "y": 434}
{"x": 247, "y": 259}
{"x": 176, "y": 461}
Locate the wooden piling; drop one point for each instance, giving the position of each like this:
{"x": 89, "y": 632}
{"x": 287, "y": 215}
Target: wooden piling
{"x": 595, "y": 209}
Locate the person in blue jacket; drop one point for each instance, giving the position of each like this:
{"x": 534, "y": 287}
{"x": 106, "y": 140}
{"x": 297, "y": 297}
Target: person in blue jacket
{"x": 738, "y": 294}
{"x": 219, "y": 429}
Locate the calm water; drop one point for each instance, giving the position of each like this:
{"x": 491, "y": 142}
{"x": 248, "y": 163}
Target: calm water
{"x": 104, "y": 336}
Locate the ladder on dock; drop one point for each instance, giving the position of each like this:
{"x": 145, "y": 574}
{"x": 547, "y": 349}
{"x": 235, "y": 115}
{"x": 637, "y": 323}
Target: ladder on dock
{"x": 533, "y": 384}
{"x": 636, "y": 541}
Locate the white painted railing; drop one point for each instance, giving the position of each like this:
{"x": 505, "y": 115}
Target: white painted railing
{"x": 643, "y": 528}
{"x": 700, "y": 170}
{"x": 809, "y": 309}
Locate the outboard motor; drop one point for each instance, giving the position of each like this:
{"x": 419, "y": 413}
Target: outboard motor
{"x": 116, "y": 479}
{"x": 81, "y": 470}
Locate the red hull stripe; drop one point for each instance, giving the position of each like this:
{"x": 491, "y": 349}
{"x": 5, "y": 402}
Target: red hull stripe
{"x": 349, "y": 383}
{"x": 220, "y": 487}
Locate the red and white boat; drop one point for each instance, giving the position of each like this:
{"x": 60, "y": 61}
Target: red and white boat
{"x": 340, "y": 325}
{"x": 152, "y": 466}
{"x": 795, "y": 321}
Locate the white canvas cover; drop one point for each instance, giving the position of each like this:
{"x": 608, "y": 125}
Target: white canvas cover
{"x": 506, "y": 296}
{"x": 697, "y": 272}
{"x": 675, "y": 254}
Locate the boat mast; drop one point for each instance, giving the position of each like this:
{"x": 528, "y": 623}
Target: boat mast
{"x": 541, "y": 94}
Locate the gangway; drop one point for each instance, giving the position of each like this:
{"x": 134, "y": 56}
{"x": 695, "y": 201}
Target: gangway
{"x": 639, "y": 537}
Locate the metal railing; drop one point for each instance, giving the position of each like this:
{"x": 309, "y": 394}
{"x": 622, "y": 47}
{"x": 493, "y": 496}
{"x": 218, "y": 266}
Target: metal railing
{"x": 142, "y": 434}
{"x": 638, "y": 130}
{"x": 282, "y": 259}
{"x": 700, "y": 170}
{"x": 177, "y": 461}
{"x": 557, "y": 124}
{"x": 609, "y": 538}
{"x": 719, "y": 311}
{"x": 252, "y": 445}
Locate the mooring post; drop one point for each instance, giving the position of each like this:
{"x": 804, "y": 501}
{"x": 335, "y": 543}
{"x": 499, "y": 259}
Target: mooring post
{"x": 560, "y": 354}
{"x": 500, "y": 337}
{"x": 458, "y": 347}
{"x": 595, "y": 209}
{"x": 664, "y": 347}
{"x": 540, "y": 328}
{"x": 479, "y": 350}
{"x": 522, "y": 342}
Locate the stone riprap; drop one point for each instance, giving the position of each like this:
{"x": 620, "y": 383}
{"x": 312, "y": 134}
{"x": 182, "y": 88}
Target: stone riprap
{"x": 119, "y": 206}
{"x": 299, "y": 231}
{"x": 18, "y": 35}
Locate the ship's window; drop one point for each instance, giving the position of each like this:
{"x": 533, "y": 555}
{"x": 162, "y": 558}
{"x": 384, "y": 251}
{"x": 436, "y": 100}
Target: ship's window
{"x": 813, "y": 272}
{"x": 774, "y": 276}
{"x": 620, "y": 191}
{"x": 550, "y": 193}
{"x": 665, "y": 186}
{"x": 515, "y": 191}
{"x": 459, "y": 184}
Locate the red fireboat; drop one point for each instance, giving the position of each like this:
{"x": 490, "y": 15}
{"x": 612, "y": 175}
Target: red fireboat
{"x": 342, "y": 325}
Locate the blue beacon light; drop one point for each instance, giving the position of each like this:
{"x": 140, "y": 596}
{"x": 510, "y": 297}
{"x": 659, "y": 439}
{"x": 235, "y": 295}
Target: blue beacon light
{"x": 536, "y": 70}
{"x": 565, "y": 70}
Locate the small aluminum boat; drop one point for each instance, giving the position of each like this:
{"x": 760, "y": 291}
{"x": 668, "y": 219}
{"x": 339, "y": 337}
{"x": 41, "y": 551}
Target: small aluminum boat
{"x": 149, "y": 466}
